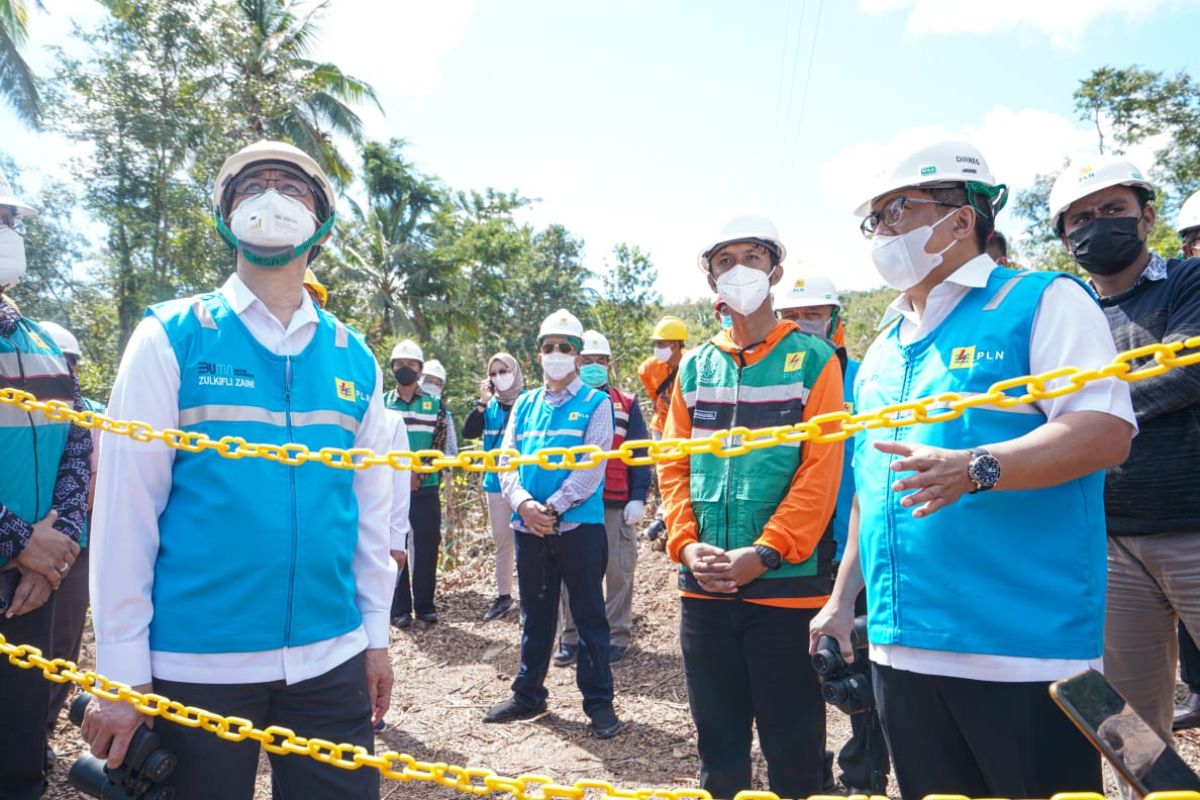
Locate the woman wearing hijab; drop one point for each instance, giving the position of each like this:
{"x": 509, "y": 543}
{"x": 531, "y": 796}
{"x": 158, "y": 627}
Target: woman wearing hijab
{"x": 497, "y": 393}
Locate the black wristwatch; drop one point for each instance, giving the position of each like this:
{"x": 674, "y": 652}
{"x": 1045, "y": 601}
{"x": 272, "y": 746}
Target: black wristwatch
{"x": 769, "y": 556}
{"x": 984, "y": 470}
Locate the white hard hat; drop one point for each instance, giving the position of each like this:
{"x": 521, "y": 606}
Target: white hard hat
{"x": 434, "y": 369}
{"x": 944, "y": 162}
{"x": 408, "y": 349}
{"x": 798, "y": 291}
{"x": 62, "y": 337}
{"x": 266, "y": 150}
{"x": 561, "y": 323}
{"x": 594, "y": 344}
{"x": 1189, "y": 214}
{"x": 1089, "y": 174}
{"x": 8, "y": 198}
{"x": 746, "y": 228}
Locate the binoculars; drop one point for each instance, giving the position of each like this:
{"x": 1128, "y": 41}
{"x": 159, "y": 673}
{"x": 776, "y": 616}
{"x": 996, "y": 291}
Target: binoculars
{"x": 147, "y": 764}
{"x": 845, "y": 685}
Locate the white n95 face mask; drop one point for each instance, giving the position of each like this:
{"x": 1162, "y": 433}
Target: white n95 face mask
{"x": 744, "y": 288}
{"x": 429, "y": 389}
{"x": 902, "y": 261}
{"x": 557, "y": 365}
{"x": 272, "y": 220}
{"x": 504, "y": 381}
{"x": 12, "y": 256}
{"x": 663, "y": 353}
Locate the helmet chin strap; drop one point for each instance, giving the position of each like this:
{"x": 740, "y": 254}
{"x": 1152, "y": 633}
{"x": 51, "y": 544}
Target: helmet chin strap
{"x": 273, "y": 258}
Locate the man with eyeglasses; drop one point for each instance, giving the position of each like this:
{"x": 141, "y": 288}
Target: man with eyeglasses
{"x": 558, "y": 519}
{"x": 981, "y": 537}
{"x": 248, "y": 587}
{"x": 1102, "y": 208}
{"x": 43, "y": 505}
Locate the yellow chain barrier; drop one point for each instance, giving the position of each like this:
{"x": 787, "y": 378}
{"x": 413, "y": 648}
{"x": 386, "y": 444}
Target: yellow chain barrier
{"x": 480, "y": 781}
{"x": 824, "y": 428}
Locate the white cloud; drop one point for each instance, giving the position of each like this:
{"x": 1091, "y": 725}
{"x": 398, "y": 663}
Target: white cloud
{"x": 1063, "y": 22}
{"x": 398, "y": 46}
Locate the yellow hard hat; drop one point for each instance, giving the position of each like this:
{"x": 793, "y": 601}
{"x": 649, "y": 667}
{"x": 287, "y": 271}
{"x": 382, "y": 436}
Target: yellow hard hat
{"x": 670, "y": 329}
{"x": 318, "y": 288}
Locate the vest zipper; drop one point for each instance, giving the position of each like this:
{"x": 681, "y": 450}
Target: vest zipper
{"x": 37, "y": 471}
{"x": 287, "y": 403}
{"x": 891, "y": 497}
{"x": 737, "y": 396}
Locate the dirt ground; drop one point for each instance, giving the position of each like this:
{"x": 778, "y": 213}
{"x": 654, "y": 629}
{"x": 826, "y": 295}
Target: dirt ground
{"x": 446, "y": 677}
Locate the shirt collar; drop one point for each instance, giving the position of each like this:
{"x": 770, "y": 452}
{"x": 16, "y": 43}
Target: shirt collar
{"x": 973, "y": 274}
{"x": 241, "y": 299}
{"x": 573, "y": 388}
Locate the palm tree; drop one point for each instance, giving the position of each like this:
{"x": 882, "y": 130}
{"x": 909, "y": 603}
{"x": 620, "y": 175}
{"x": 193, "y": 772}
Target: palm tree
{"x": 16, "y": 78}
{"x": 284, "y": 93}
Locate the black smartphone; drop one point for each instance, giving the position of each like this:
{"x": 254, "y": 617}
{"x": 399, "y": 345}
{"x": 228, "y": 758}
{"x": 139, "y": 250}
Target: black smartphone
{"x": 1145, "y": 760}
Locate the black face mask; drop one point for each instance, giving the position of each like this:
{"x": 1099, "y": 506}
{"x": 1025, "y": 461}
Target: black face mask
{"x": 406, "y": 376}
{"x": 1106, "y": 245}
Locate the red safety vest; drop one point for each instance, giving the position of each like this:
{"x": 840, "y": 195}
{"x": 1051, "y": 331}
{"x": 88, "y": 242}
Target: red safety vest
{"x": 616, "y": 477}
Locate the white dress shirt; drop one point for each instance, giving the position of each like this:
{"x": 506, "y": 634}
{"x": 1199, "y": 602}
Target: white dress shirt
{"x": 1069, "y": 329}
{"x": 399, "y": 527}
{"x": 134, "y": 484}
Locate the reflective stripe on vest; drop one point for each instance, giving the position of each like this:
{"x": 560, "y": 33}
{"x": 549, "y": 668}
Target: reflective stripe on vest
{"x": 1011, "y": 573}
{"x": 616, "y": 475}
{"x": 247, "y": 546}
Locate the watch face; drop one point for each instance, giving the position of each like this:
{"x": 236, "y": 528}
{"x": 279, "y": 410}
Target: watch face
{"x": 985, "y": 470}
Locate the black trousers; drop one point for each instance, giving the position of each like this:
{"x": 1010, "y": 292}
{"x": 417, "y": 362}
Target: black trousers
{"x": 425, "y": 516}
{"x": 577, "y": 559}
{"x": 1189, "y": 660}
{"x": 334, "y": 706}
{"x": 748, "y": 664}
{"x": 24, "y": 698}
{"x": 981, "y": 738}
{"x": 70, "y": 612}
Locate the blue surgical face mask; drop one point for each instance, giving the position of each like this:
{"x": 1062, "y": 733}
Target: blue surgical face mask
{"x": 594, "y": 375}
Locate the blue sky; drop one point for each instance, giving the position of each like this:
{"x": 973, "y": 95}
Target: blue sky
{"x": 653, "y": 122}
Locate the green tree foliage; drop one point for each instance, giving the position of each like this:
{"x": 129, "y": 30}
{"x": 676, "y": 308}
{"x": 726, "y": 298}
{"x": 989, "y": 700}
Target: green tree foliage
{"x": 17, "y": 83}
{"x": 626, "y": 311}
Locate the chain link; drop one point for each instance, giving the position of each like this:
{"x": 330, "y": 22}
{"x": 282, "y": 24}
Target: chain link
{"x": 392, "y": 765}
{"x": 822, "y": 429}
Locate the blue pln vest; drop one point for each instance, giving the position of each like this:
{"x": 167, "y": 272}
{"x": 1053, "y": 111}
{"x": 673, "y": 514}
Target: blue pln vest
{"x": 1010, "y": 573}
{"x": 495, "y": 418}
{"x": 255, "y": 555}
{"x": 845, "y": 495}
{"x": 31, "y": 444}
{"x": 539, "y": 425}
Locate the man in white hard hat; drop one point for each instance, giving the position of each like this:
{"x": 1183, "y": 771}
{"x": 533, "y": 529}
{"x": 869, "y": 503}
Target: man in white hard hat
{"x": 71, "y": 599}
{"x": 43, "y": 506}
{"x": 248, "y": 587}
{"x": 426, "y": 420}
{"x": 558, "y": 519}
{"x": 625, "y": 489}
{"x": 1102, "y": 208}
{"x": 965, "y": 634}
{"x": 753, "y": 534}
{"x": 433, "y": 384}
{"x": 812, "y": 302}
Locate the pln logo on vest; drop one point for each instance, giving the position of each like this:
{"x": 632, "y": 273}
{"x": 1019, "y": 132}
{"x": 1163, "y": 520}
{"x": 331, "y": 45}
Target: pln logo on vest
{"x": 345, "y": 390}
{"x": 794, "y": 361}
{"x": 967, "y": 357}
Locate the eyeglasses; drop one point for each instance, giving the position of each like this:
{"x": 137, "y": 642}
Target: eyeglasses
{"x": 498, "y": 373}
{"x": 892, "y": 211}
{"x": 287, "y": 185}
{"x": 562, "y": 347}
